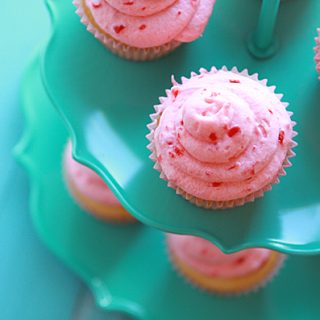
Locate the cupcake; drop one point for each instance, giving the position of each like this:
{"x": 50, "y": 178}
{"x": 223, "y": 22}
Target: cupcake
{"x": 221, "y": 138}
{"x": 90, "y": 191}
{"x": 144, "y": 29}
{"x": 206, "y": 267}
{"x": 317, "y": 50}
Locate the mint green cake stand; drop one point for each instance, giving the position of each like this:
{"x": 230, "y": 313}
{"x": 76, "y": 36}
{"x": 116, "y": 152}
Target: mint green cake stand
{"x": 126, "y": 266}
{"x": 106, "y": 102}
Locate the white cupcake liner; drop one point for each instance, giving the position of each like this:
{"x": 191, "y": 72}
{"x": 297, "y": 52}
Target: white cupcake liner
{"x": 253, "y": 289}
{"x": 209, "y": 204}
{"x": 121, "y": 49}
{"x": 317, "y": 52}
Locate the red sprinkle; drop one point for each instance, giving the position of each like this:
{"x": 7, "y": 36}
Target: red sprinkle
{"x": 270, "y": 111}
{"x": 207, "y": 173}
{"x": 233, "y": 131}
{"x": 233, "y": 167}
{"x": 216, "y": 184}
{"x": 169, "y": 143}
{"x": 181, "y": 122}
{"x": 96, "y": 4}
{"x": 159, "y": 158}
{"x": 118, "y": 29}
{"x": 204, "y": 251}
{"x": 179, "y": 152}
{"x": 171, "y": 154}
{"x": 143, "y": 8}
{"x": 128, "y": 3}
{"x": 175, "y": 92}
{"x": 234, "y": 81}
{"x": 213, "y": 136}
{"x": 281, "y": 136}
{"x": 142, "y": 27}
{"x": 179, "y": 13}
{"x": 240, "y": 260}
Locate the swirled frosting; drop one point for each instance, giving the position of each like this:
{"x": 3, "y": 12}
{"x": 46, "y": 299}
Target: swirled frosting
{"x": 317, "y": 50}
{"x": 150, "y": 23}
{"x": 222, "y": 135}
{"x": 87, "y": 181}
{"x": 206, "y": 258}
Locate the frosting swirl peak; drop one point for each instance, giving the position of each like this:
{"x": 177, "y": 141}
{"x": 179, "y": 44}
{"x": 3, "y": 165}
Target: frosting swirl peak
{"x": 212, "y": 120}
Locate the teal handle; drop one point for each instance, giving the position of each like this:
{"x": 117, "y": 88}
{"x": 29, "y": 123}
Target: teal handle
{"x": 262, "y": 44}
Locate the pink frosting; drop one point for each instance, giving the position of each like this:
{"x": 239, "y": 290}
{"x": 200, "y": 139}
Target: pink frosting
{"x": 87, "y": 181}
{"x": 151, "y": 23}
{"x": 204, "y": 257}
{"x": 317, "y": 50}
{"x": 222, "y": 136}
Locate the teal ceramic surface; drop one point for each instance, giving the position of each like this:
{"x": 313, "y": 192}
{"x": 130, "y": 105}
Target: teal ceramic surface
{"x": 106, "y": 102}
{"x": 127, "y": 267}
